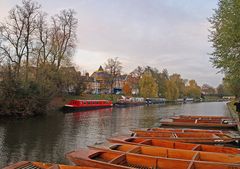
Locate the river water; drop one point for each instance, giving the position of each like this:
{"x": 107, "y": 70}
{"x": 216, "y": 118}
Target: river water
{"x": 48, "y": 138}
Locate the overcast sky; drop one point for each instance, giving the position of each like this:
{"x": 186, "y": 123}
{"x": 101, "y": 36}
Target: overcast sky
{"x": 171, "y": 34}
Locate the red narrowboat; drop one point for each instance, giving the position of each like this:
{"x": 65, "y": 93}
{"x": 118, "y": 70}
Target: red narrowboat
{"x": 81, "y": 105}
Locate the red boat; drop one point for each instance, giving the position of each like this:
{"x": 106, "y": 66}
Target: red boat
{"x": 81, "y": 105}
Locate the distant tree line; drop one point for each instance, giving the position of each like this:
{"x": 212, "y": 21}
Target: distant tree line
{"x": 153, "y": 83}
{"x": 34, "y": 49}
{"x": 150, "y": 82}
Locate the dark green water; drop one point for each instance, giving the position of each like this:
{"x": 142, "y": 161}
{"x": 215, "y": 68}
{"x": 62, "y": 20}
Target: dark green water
{"x": 48, "y": 138}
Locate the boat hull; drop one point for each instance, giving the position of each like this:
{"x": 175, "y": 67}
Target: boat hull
{"x": 199, "y": 125}
{"x": 128, "y": 104}
{"x": 68, "y": 109}
{"x": 193, "y": 137}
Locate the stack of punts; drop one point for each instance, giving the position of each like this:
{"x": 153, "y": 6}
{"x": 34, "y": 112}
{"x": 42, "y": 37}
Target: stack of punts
{"x": 108, "y": 159}
{"x": 174, "y": 144}
{"x": 200, "y": 122}
{"x": 40, "y": 165}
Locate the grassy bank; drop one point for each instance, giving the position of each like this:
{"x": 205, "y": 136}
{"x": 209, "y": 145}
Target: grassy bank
{"x": 232, "y": 109}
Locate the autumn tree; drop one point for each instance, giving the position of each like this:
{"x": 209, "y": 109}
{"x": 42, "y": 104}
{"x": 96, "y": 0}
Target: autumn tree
{"x": 225, "y": 38}
{"x": 172, "y": 91}
{"x": 114, "y": 67}
{"x": 148, "y": 86}
{"x": 127, "y": 90}
{"x": 193, "y": 90}
{"x": 162, "y": 82}
{"x": 179, "y": 82}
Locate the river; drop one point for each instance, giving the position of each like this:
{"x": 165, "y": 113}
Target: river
{"x": 48, "y": 138}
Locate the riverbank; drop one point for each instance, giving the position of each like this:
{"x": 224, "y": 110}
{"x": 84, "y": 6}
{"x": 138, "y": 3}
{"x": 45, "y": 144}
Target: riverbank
{"x": 58, "y": 102}
{"x": 233, "y": 113}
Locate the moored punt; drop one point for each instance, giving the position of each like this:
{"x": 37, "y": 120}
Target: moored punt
{"x": 40, "y": 165}
{"x": 116, "y": 160}
{"x": 174, "y": 144}
{"x": 168, "y": 152}
{"x": 202, "y": 117}
{"x": 199, "y": 123}
{"x": 188, "y": 137}
{"x": 183, "y": 130}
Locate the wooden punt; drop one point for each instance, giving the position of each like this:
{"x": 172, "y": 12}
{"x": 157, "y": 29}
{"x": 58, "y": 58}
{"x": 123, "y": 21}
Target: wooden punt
{"x": 189, "y": 137}
{"x": 168, "y": 152}
{"x": 117, "y": 160}
{"x": 199, "y": 123}
{"x": 202, "y": 117}
{"x": 174, "y": 145}
{"x": 184, "y": 130}
{"x": 40, "y": 165}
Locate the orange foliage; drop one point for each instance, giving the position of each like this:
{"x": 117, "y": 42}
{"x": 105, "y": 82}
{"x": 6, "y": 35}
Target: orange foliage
{"x": 127, "y": 90}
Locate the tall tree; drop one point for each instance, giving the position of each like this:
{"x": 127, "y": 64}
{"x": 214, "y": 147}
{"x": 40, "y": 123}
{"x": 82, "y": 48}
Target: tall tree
{"x": 17, "y": 32}
{"x": 172, "y": 91}
{"x": 225, "y": 37}
{"x": 193, "y": 90}
{"x": 114, "y": 67}
{"x": 63, "y": 36}
{"x": 180, "y": 83}
{"x": 148, "y": 86}
{"x": 162, "y": 82}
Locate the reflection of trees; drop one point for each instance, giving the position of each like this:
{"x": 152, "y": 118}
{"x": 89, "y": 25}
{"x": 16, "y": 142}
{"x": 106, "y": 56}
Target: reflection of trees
{"x": 32, "y": 139}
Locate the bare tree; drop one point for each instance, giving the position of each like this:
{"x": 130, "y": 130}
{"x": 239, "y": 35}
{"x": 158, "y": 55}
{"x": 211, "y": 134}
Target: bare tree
{"x": 43, "y": 34}
{"x": 63, "y": 36}
{"x": 16, "y": 34}
{"x": 114, "y": 68}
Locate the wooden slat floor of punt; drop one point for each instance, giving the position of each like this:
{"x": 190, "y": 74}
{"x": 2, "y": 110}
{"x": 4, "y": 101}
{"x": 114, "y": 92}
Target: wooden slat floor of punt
{"x": 28, "y": 166}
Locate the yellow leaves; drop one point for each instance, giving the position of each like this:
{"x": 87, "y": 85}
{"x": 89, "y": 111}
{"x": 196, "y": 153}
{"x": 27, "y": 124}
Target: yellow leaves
{"x": 148, "y": 86}
{"x": 172, "y": 91}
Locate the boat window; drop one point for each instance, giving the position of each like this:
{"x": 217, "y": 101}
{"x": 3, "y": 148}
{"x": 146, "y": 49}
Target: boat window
{"x": 96, "y": 102}
{"x": 84, "y": 102}
{"x": 89, "y": 102}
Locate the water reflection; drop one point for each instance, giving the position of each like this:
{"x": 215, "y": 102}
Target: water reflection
{"x": 49, "y": 138}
